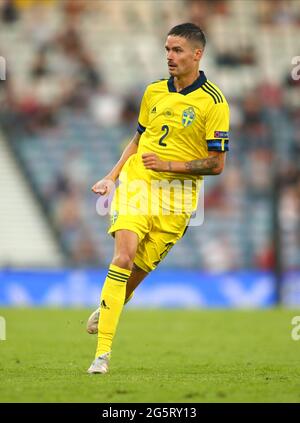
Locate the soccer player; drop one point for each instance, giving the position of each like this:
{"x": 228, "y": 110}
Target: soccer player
{"x": 182, "y": 135}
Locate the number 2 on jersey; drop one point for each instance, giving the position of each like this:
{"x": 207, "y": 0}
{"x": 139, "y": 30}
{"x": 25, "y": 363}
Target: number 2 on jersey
{"x": 164, "y": 128}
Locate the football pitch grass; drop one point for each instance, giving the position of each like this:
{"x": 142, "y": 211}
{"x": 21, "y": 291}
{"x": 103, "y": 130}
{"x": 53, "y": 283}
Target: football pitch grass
{"x": 158, "y": 356}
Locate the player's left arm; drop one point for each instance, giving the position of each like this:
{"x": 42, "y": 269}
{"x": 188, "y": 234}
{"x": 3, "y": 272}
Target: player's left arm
{"x": 217, "y": 139}
{"x": 211, "y": 165}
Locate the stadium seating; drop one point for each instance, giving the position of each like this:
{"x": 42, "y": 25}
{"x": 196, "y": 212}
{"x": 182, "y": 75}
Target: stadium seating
{"x": 237, "y": 230}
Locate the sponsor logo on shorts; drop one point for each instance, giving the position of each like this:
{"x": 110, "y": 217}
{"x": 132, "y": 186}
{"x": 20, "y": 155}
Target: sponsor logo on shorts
{"x": 114, "y": 216}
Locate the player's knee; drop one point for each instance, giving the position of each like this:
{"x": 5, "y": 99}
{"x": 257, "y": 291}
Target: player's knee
{"x": 123, "y": 260}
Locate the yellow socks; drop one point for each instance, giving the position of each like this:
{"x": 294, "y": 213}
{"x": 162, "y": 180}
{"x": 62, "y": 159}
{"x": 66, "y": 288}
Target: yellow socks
{"x": 111, "y": 304}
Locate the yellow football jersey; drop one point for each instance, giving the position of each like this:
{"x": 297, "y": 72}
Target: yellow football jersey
{"x": 179, "y": 126}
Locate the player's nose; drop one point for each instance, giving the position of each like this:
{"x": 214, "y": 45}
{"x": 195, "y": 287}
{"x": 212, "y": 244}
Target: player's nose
{"x": 169, "y": 56}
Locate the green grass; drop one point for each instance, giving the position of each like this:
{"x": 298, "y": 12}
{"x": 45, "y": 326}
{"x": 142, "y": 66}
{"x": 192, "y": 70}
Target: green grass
{"x": 159, "y": 355}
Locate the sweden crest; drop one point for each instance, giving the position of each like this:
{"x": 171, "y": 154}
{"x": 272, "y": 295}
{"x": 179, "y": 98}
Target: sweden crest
{"x": 188, "y": 117}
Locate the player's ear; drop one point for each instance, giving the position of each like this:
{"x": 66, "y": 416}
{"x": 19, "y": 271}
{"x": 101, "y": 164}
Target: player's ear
{"x": 198, "y": 53}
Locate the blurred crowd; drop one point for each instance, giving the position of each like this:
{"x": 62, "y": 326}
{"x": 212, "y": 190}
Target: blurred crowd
{"x": 263, "y": 170}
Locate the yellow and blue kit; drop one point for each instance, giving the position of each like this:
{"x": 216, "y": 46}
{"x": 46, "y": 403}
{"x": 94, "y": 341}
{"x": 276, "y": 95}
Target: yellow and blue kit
{"x": 177, "y": 126}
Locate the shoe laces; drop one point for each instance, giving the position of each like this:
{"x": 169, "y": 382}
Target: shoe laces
{"x": 105, "y": 356}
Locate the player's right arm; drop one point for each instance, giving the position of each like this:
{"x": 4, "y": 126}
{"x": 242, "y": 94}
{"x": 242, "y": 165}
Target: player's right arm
{"x": 105, "y": 185}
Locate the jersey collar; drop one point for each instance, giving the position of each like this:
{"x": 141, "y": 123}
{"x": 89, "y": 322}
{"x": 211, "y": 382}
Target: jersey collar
{"x": 194, "y": 86}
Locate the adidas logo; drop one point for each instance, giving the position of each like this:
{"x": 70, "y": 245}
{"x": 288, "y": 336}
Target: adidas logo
{"x": 103, "y": 305}
{"x": 153, "y": 110}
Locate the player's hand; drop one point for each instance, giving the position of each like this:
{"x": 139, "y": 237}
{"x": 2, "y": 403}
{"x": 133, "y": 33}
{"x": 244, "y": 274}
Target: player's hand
{"x": 153, "y": 162}
{"x": 103, "y": 187}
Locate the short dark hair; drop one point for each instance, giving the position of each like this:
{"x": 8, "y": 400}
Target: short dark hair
{"x": 189, "y": 31}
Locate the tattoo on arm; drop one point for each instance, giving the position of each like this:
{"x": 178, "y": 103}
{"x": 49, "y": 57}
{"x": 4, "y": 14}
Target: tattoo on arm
{"x": 208, "y": 166}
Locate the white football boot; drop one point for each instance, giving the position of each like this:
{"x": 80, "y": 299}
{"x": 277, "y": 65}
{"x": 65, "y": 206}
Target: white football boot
{"x": 92, "y": 323}
{"x": 100, "y": 364}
